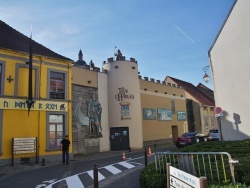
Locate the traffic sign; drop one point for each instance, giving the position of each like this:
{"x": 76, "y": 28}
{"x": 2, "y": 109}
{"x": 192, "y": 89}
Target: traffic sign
{"x": 176, "y": 183}
{"x": 218, "y": 110}
{"x": 218, "y": 115}
{"x": 179, "y": 178}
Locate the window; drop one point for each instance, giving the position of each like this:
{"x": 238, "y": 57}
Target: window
{"x": 57, "y": 85}
{"x": 56, "y": 130}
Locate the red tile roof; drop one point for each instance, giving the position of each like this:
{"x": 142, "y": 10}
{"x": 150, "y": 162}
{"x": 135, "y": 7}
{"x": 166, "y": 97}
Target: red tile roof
{"x": 207, "y": 91}
{"x": 195, "y": 92}
{"x": 14, "y": 40}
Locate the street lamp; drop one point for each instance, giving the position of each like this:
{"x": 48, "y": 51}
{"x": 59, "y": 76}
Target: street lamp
{"x": 206, "y": 77}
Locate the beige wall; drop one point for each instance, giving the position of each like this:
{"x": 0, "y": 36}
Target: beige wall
{"x": 103, "y": 99}
{"x": 231, "y": 69}
{"x": 84, "y": 77}
{"x": 154, "y": 129}
{"x": 124, "y": 74}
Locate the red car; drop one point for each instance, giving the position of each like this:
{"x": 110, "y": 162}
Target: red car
{"x": 189, "y": 138}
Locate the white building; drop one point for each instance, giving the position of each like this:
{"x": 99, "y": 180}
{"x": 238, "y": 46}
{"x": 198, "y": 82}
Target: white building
{"x": 230, "y": 65}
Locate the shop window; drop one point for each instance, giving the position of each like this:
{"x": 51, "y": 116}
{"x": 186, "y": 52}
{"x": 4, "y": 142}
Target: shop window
{"x": 56, "y": 130}
{"x": 57, "y": 85}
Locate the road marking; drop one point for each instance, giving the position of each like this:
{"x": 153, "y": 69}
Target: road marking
{"x": 112, "y": 169}
{"x": 127, "y": 165}
{"x": 41, "y": 185}
{"x": 100, "y": 176}
{"x": 74, "y": 181}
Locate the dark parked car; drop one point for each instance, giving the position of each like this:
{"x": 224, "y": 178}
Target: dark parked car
{"x": 190, "y": 138}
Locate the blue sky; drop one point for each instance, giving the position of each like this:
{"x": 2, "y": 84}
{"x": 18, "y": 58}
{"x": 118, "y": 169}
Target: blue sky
{"x": 166, "y": 37}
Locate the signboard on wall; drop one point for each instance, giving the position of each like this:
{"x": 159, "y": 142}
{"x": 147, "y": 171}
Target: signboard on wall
{"x": 181, "y": 116}
{"x": 164, "y": 114}
{"x": 20, "y": 104}
{"x": 125, "y": 112}
{"x": 149, "y": 114}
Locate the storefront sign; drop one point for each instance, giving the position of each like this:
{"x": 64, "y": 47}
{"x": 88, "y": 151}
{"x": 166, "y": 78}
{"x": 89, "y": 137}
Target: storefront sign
{"x": 19, "y": 104}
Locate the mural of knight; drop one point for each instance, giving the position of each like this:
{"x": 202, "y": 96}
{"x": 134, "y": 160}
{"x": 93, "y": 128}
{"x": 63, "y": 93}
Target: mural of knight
{"x": 93, "y": 117}
{"x": 94, "y": 110}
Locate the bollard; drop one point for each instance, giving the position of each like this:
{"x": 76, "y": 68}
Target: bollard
{"x": 43, "y": 162}
{"x": 95, "y": 173}
{"x": 203, "y": 182}
{"x": 146, "y": 157}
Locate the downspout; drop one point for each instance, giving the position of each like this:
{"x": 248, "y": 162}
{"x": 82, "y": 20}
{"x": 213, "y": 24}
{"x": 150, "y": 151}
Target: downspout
{"x": 39, "y": 112}
{"x": 69, "y": 106}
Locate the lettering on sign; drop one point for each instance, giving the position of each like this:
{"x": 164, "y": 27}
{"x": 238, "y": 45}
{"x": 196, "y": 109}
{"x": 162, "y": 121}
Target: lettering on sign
{"x": 123, "y": 94}
{"x": 24, "y": 145}
{"x": 38, "y": 105}
{"x": 179, "y": 178}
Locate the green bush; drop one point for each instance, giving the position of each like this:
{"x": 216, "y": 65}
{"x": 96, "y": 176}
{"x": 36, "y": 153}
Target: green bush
{"x": 150, "y": 178}
{"x": 239, "y": 150}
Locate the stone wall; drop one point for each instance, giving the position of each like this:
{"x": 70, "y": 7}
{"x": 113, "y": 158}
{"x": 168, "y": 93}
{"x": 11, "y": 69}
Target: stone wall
{"x": 80, "y": 143}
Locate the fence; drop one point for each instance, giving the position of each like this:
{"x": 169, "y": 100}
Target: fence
{"x": 218, "y": 167}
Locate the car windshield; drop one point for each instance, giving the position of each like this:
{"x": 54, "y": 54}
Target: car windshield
{"x": 213, "y": 131}
{"x": 190, "y": 134}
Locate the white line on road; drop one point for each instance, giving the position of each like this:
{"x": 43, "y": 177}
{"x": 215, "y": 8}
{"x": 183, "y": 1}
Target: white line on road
{"x": 112, "y": 169}
{"x": 127, "y": 165}
{"x": 74, "y": 181}
{"x": 100, "y": 176}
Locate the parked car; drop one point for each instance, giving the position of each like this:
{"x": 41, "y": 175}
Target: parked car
{"x": 214, "y": 134}
{"x": 190, "y": 138}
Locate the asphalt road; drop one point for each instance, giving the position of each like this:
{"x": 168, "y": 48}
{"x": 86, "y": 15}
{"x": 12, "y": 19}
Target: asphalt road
{"x": 113, "y": 172}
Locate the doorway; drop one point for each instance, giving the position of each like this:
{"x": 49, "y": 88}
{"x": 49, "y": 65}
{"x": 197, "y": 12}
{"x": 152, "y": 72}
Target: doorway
{"x": 175, "y": 133}
{"x": 119, "y": 137}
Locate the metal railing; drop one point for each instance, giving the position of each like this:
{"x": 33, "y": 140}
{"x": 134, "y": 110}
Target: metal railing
{"x": 216, "y": 166}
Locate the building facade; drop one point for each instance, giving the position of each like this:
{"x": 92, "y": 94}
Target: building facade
{"x": 200, "y": 105}
{"x": 136, "y": 112}
{"x": 229, "y": 58}
{"x": 101, "y": 110}
{"x": 27, "y": 136}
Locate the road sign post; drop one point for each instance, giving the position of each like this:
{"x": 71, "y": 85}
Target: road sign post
{"x": 218, "y": 114}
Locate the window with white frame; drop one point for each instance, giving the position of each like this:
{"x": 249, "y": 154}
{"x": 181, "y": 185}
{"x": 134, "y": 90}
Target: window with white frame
{"x": 56, "y": 128}
{"x": 57, "y": 85}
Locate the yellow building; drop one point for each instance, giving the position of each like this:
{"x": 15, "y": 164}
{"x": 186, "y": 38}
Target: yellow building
{"x": 35, "y": 135}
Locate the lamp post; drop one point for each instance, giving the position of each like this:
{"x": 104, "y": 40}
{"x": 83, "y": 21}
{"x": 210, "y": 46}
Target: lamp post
{"x": 206, "y": 77}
